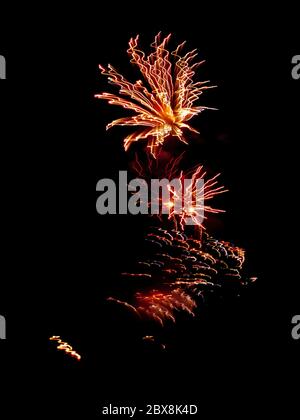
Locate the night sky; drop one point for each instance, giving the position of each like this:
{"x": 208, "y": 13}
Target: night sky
{"x": 64, "y": 257}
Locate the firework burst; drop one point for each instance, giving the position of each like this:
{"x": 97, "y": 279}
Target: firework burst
{"x": 165, "y": 101}
{"x": 195, "y": 200}
{"x": 179, "y": 272}
{"x": 194, "y": 194}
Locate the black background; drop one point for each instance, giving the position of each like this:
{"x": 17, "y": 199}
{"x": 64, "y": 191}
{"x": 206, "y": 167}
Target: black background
{"x": 63, "y": 258}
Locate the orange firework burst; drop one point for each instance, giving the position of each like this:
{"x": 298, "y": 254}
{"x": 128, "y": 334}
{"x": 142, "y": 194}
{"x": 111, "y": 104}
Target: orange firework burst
{"x": 180, "y": 274}
{"x": 166, "y": 102}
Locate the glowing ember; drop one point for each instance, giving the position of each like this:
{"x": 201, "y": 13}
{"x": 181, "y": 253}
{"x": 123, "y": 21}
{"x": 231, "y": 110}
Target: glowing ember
{"x": 166, "y": 102}
{"x": 62, "y": 345}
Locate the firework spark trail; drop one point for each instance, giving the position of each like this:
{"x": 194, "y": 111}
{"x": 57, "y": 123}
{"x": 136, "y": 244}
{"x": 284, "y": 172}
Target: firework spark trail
{"x": 67, "y": 348}
{"x": 160, "y": 306}
{"x": 123, "y": 303}
{"x": 164, "y": 109}
{"x": 184, "y": 269}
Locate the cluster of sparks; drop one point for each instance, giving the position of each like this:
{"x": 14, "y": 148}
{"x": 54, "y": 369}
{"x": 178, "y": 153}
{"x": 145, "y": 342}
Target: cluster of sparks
{"x": 178, "y": 270}
{"x": 196, "y": 207}
{"x": 159, "y": 306}
{"x": 164, "y": 102}
{"x": 194, "y": 198}
{"x": 64, "y": 346}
